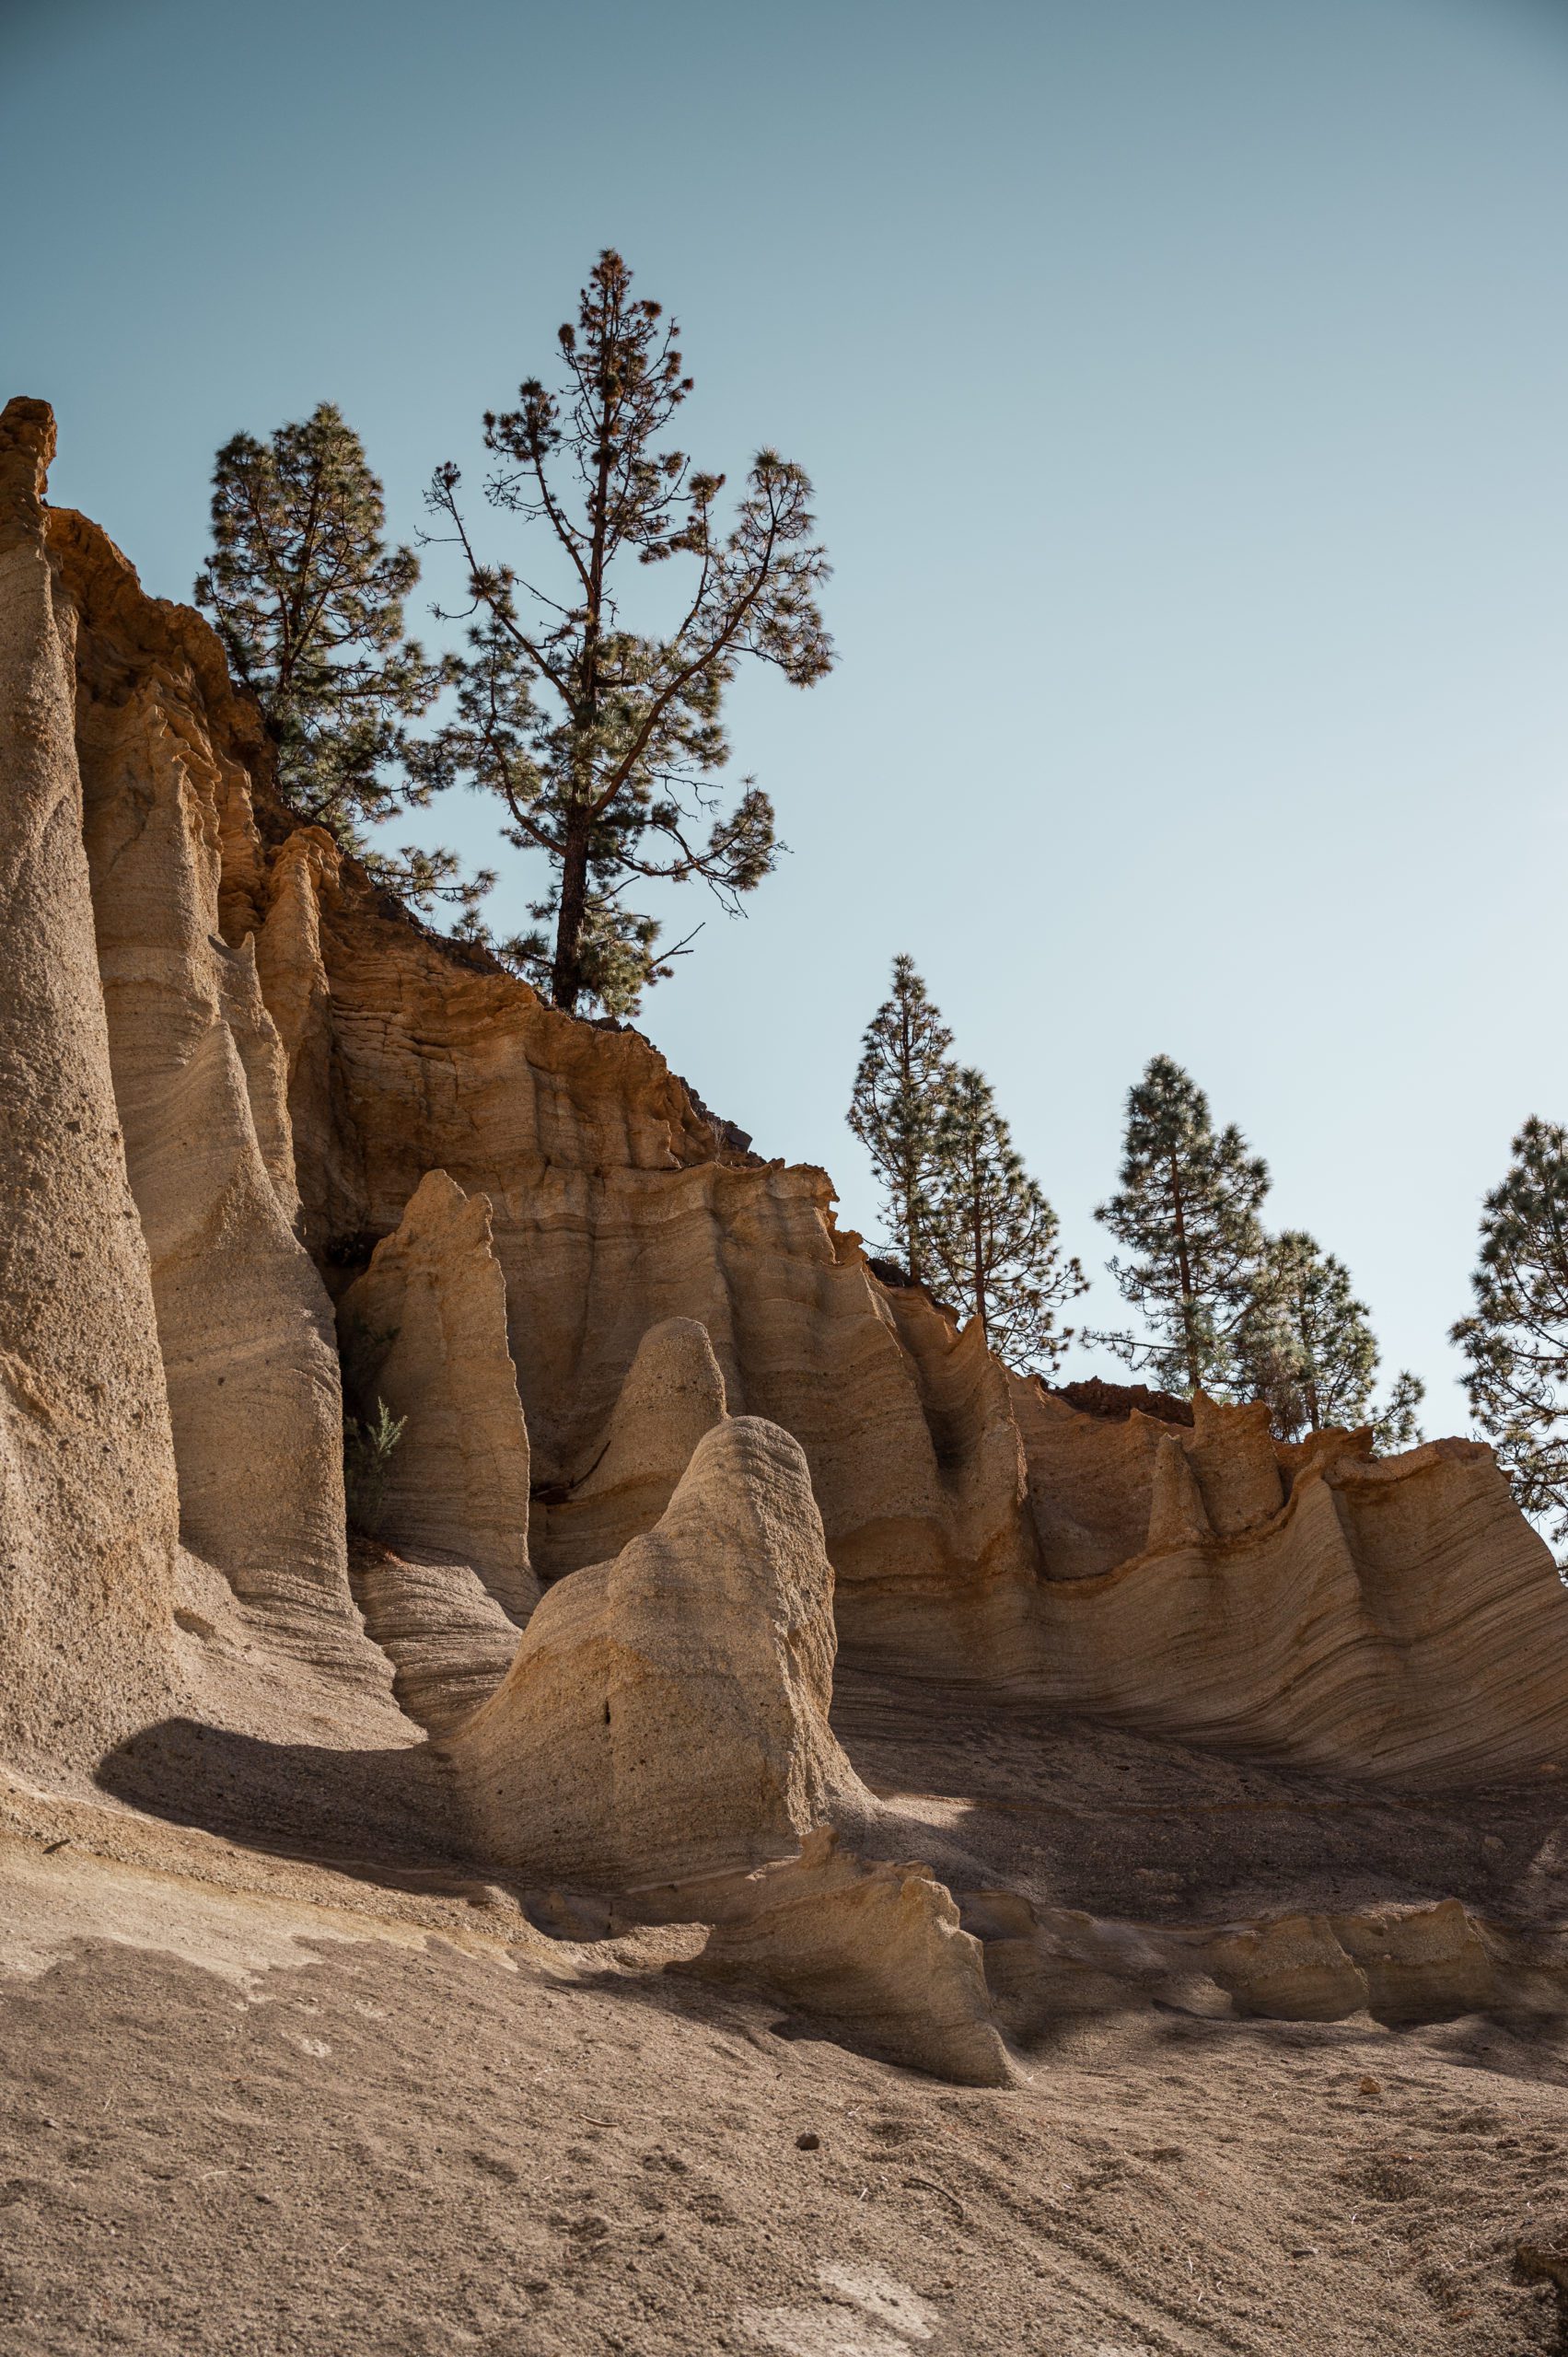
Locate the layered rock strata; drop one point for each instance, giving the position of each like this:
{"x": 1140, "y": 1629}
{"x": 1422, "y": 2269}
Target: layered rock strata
{"x": 424, "y": 1334}
{"x": 89, "y": 1510}
{"x": 663, "y": 1734}
{"x": 244, "y": 1327}
{"x": 673, "y": 1395}
{"x": 698, "y": 1662}
{"x": 569, "y": 1280}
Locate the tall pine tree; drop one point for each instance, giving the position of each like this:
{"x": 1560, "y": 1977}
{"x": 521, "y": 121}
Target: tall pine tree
{"x": 1515, "y": 1339}
{"x": 604, "y": 744}
{"x": 1305, "y": 1345}
{"x": 993, "y": 1234}
{"x": 1186, "y": 1215}
{"x": 308, "y": 599}
{"x": 900, "y": 1086}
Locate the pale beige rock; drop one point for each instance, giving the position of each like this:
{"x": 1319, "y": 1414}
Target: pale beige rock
{"x": 1291, "y": 1969}
{"x": 1395, "y": 1617}
{"x": 663, "y": 1734}
{"x": 424, "y": 1330}
{"x": 1178, "y": 1516}
{"x": 1402, "y": 1964}
{"x": 448, "y": 1640}
{"x": 673, "y": 1395}
{"x": 298, "y": 998}
{"x": 89, "y": 1511}
{"x": 200, "y": 1077}
{"x": 1090, "y": 1480}
{"x": 877, "y": 1950}
{"x": 290, "y": 1051}
{"x": 619, "y": 1205}
{"x": 666, "y": 1719}
{"x": 1422, "y": 1964}
{"x": 1232, "y": 1453}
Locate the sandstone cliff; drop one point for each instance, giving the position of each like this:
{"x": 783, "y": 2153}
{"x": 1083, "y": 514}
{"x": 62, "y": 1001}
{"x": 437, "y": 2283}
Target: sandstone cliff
{"x": 669, "y": 1441}
{"x": 88, "y": 1515}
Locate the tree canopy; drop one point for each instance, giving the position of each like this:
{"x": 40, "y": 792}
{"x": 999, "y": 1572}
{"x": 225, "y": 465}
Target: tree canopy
{"x": 604, "y": 743}
{"x": 1186, "y": 1214}
{"x": 1515, "y": 1339}
{"x": 1305, "y": 1345}
{"x": 896, "y": 1108}
{"x": 993, "y": 1236}
{"x": 308, "y": 599}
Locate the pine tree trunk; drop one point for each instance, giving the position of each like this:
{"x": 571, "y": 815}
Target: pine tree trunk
{"x": 565, "y": 977}
{"x": 979, "y": 1234}
{"x": 1194, "y": 1373}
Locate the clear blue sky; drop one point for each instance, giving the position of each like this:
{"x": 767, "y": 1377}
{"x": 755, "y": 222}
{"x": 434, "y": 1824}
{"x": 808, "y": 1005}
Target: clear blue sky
{"x": 1186, "y": 389}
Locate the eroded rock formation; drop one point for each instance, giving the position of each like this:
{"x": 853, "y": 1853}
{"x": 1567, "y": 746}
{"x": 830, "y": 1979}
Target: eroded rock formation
{"x": 89, "y": 1513}
{"x": 423, "y": 1331}
{"x": 637, "y": 1361}
{"x": 704, "y": 1648}
{"x": 200, "y": 1075}
{"x": 673, "y": 1395}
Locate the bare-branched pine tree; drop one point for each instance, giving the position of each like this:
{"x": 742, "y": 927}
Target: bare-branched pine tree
{"x": 1515, "y": 1339}
{"x": 993, "y": 1234}
{"x": 308, "y": 601}
{"x": 1186, "y": 1216}
{"x": 603, "y": 742}
{"x": 901, "y": 1085}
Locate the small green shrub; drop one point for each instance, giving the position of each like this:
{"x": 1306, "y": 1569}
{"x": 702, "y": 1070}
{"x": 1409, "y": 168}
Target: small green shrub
{"x": 368, "y": 1444}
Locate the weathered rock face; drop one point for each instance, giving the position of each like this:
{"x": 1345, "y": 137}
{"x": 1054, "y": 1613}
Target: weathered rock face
{"x": 200, "y": 1077}
{"x": 699, "y": 1662}
{"x": 1391, "y": 1618}
{"x": 672, "y": 1396}
{"x": 293, "y": 983}
{"x": 450, "y": 1642}
{"x": 877, "y": 1950}
{"x": 628, "y": 1349}
{"x": 663, "y": 1734}
{"x": 616, "y": 1207}
{"x": 424, "y": 1330}
{"x": 88, "y": 1514}
{"x": 1400, "y": 1965}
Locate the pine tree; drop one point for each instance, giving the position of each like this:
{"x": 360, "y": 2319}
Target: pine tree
{"x": 1187, "y": 1214}
{"x": 992, "y": 1235}
{"x": 308, "y": 601}
{"x": 1515, "y": 1340}
{"x": 601, "y": 742}
{"x": 900, "y": 1088}
{"x": 1397, "y": 1424}
{"x": 1305, "y": 1345}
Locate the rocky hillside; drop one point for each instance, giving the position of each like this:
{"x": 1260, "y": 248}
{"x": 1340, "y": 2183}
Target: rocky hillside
{"x": 713, "y": 1579}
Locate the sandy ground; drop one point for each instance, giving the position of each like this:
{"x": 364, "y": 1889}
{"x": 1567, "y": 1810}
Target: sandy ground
{"x": 253, "y": 2101}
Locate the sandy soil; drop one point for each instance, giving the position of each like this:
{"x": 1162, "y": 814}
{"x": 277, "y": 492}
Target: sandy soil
{"x": 256, "y": 2102}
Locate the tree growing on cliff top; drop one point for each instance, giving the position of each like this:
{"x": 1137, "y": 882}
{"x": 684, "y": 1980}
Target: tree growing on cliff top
{"x": 1305, "y": 1345}
{"x": 900, "y": 1088}
{"x": 603, "y": 742}
{"x": 992, "y": 1234}
{"x": 1515, "y": 1339}
{"x": 1186, "y": 1216}
{"x": 308, "y": 601}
